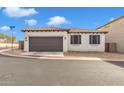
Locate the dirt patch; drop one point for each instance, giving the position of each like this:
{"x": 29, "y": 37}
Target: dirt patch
{"x": 14, "y": 52}
{"x": 95, "y": 54}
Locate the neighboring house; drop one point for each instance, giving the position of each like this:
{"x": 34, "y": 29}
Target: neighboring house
{"x": 115, "y": 34}
{"x": 61, "y": 39}
{"x": 2, "y": 40}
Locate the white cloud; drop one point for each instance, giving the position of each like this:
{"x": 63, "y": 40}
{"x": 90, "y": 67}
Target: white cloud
{"x": 111, "y": 19}
{"x": 19, "y": 12}
{"x": 57, "y": 20}
{"x": 5, "y": 28}
{"x": 31, "y": 22}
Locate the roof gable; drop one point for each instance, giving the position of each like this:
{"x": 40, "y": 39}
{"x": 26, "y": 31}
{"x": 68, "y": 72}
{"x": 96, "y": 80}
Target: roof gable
{"x": 110, "y": 22}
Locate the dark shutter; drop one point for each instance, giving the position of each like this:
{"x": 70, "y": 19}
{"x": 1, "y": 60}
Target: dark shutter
{"x": 90, "y": 39}
{"x": 79, "y": 39}
{"x": 72, "y": 38}
{"x": 98, "y": 39}
{"x": 94, "y": 39}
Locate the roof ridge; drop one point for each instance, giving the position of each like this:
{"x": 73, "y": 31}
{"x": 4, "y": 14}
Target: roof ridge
{"x": 82, "y": 29}
{"x": 47, "y": 27}
{"x": 110, "y": 22}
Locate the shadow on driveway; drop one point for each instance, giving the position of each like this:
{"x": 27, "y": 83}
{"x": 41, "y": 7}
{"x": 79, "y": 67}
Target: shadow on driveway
{"x": 117, "y": 63}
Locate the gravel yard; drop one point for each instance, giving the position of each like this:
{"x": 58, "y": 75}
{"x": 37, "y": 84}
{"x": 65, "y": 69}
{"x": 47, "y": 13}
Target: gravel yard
{"x": 95, "y": 54}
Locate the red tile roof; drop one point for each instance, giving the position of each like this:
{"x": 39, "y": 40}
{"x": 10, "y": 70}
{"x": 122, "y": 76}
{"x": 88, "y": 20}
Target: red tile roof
{"x": 74, "y": 30}
{"x": 45, "y": 29}
{"x": 70, "y": 30}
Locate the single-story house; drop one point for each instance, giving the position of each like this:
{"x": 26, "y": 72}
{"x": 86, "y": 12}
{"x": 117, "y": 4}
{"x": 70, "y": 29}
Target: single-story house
{"x": 115, "y": 34}
{"x": 2, "y": 40}
{"x": 62, "y": 40}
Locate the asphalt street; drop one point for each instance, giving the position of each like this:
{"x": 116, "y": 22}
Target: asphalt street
{"x": 50, "y": 72}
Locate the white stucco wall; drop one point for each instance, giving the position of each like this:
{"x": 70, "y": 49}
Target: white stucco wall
{"x": 85, "y": 46}
{"x": 46, "y": 34}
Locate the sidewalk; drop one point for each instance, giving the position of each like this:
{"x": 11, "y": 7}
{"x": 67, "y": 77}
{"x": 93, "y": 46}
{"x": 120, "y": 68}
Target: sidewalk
{"x": 68, "y": 56}
{"x": 4, "y": 49}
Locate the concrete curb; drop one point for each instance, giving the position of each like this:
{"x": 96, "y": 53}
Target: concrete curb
{"x": 45, "y": 57}
{"x": 62, "y": 58}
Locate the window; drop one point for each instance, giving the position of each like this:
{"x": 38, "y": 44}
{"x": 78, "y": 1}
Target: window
{"x": 75, "y": 39}
{"x": 94, "y": 39}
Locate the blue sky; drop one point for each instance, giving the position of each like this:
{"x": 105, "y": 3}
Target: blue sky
{"x": 87, "y": 18}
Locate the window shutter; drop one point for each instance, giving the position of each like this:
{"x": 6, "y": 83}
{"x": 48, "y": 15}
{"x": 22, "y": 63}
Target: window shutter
{"x": 90, "y": 39}
{"x": 98, "y": 39}
{"x": 79, "y": 39}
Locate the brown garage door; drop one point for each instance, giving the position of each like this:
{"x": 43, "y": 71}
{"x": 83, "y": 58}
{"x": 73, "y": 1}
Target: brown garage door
{"x": 47, "y": 44}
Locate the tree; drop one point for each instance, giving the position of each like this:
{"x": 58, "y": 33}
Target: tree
{"x": 8, "y": 38}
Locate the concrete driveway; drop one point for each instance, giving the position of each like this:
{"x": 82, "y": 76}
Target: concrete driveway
{"x": 20, "y": 71}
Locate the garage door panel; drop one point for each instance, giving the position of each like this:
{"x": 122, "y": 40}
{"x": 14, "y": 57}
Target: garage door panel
{"x": 40, "y": 44}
